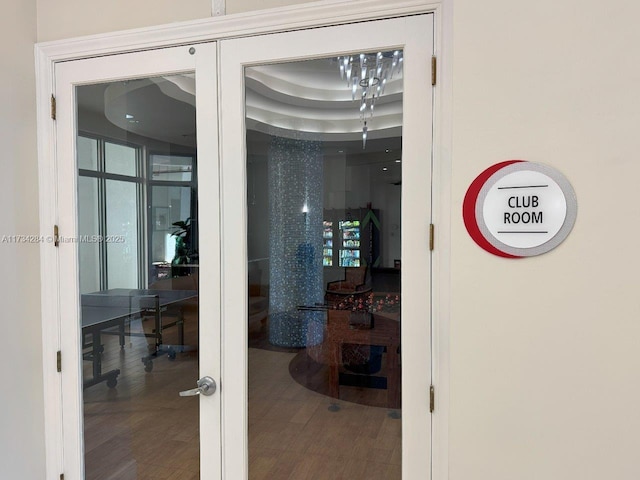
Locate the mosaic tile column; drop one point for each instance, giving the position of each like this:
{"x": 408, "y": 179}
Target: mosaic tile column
{"x": 295, "y": 241}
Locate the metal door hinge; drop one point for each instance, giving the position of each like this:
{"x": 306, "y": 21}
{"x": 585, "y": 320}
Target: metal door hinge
{"x": 56, "y": 236}
{"x": 432, "y": 230}
{"x": 432, "y": 399}
{"x": 53, "y": 107}
{"x": 62, "y": 476}
{"x": 434, "y": 70}
{"x": 59, "y": 361}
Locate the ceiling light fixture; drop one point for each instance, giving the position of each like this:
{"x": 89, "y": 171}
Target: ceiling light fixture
{"x": 367, "y": 75}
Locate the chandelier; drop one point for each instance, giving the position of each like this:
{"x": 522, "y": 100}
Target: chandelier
{"x": 367, "y": 75}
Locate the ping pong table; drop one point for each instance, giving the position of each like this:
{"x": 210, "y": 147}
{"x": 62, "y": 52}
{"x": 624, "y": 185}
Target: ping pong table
{"x": 104, "y": 311}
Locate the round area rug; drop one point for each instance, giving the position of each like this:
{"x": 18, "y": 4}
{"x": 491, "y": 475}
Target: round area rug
{"x": 356, "y": 388}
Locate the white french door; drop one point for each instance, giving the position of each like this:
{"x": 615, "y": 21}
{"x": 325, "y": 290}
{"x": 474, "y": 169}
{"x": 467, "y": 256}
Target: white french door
{"x": 139, "y": 263}
{"x": 319, "y": 188}
{"x": 175, "y": 266}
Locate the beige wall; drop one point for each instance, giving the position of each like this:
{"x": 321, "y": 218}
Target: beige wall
{"x": 545, "y": 355}
{"x": 22, "y": 404}
{"x": 71, "y": 18}
{"x": 59, "y": 19}
{"x": 238, "y": 6}
{"x": 544, "y": 351}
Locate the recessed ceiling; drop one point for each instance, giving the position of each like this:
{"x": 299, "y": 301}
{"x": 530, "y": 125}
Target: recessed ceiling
{"x": 305, "y": 99}
{"x": 310, "y": 97}
{"x": 161, "y": 108}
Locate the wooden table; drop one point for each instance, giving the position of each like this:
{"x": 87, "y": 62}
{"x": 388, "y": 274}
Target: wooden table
{"x": 338, "y": 331}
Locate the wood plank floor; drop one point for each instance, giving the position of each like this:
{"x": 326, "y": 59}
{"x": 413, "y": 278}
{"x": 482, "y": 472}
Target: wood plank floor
{"x": 296, "y": 433}
{"x": 143, "y": 430}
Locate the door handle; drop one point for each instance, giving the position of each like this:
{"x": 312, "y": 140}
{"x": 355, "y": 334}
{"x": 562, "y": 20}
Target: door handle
{"x": 206, "y": 387}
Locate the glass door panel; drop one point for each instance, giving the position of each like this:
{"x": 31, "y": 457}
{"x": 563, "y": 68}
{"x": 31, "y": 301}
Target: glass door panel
{"x": 139, "y": 334}
{"x": 332, "y": 360}
{"x": 323, "y": 337}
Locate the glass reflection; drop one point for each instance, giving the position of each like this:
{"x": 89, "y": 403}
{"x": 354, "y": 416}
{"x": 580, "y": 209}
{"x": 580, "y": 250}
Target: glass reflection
{"x": 138, "y": 268}
{"x": 324, "y": 268}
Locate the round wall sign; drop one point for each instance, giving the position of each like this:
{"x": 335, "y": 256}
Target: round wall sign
{"x": 519, "y": 209}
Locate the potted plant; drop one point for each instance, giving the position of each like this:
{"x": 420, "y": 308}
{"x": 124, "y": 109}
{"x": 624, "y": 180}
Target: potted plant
{"x": 184, "y": 253}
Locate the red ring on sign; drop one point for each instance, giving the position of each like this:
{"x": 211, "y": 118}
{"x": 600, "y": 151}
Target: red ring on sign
{"x": 469, "y": 209}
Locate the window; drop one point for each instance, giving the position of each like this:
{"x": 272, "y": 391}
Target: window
{"x": 110, "y": 198}
{"x": 173, "y": 205}
{"x": 117, "y": 197}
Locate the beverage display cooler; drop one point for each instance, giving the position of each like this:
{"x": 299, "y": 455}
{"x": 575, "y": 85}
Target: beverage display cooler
{"x": 327, "y": 244}
{"x": 349, "y": 251}
{"x": 349, "y": 238}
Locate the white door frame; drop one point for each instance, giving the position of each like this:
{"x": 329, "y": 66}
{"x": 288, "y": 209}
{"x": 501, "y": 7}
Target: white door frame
{"x": 328, "y": 12}
{"x": 143, "y": 64}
